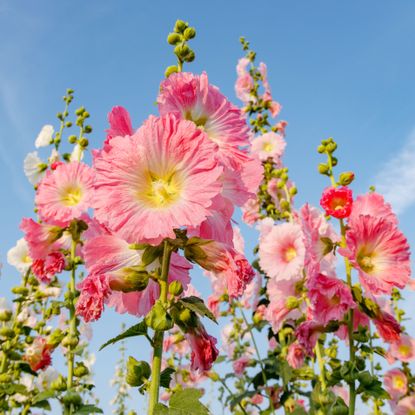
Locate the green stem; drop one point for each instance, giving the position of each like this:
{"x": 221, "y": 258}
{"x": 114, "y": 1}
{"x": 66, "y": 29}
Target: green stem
{"x": 72, "y": 325}
{"x": 26, "y": 409}
{"x": 330, "y": 162}
{"x": 322, "y": 374}
{"x": 231, "y": 394}
{"x": 158, "y": 335}
{"x": 350, "y": 325}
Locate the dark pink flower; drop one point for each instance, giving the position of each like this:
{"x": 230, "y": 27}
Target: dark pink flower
{"x": 337, "y": 201}
{"x": 296, "y": 355}
{"x": 46, "y": 269}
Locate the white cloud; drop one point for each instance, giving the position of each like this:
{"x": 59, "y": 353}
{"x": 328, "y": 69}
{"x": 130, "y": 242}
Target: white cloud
{"x": 396, "y": 180}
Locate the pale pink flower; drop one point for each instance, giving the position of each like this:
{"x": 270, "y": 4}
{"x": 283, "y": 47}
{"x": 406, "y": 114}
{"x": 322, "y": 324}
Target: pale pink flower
{"x": 280, "y": 127}
{"x": 239, "y": 365}
{"x": 337, "y": 201}
{"x": 403, "y": 349}
{"x": 149, "y": 184}
{"x": 241, "y": 67}
{"x": 380, "y": 252}
{"x": 269, "y": 145}
{"x": 65, "y": 193}
{"x": 343, "y": 392}
{"x": 330, "y": 297}
{"x": 46, "y": 268}
{"x": 405, "y": 406}
{"x": 396, "y": 383}
{"x": 281, "y": 252}
{"x": 295, "y": 355}
{"x": 243, "y": 86}
{"x": 275, "y": 108}
{"x": 120, "y": 123}
{"x": 95, "y": 291}
{"x": 372, "y": 204}
{"x": 203, "y": 346}
{"x": 191, "y": 97}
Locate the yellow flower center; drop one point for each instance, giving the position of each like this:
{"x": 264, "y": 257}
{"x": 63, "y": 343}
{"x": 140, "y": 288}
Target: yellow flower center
{"x": 71, "y": 195}
{"x": 366, "y": 260}
{"x": 405, "y": 350}
{"x": 26, "y": 259}
{"x": 290, "y": 254}
{"x": 199, "y": 120}
{"x": 162, "y": 190}
{"x": 268, "y": 147}
{"x": 398, "y": 382}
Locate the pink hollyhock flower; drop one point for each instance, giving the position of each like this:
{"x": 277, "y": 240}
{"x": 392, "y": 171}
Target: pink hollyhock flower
{"x": 203, "y": 346}
{"x": 262, "y": 68}
{"x": 280, "y": 309}
{"x": 330, "y": 297}
{"x": 149, "y": 184}
{"x": 226, "y": 263}
{"x": 340, "y": 390}
{"x": 65, "y": 193}
{"x": 307, "y": 334}
{"x": 46, "y": 269}
{"x": 213, "y": 303}
{"x": 380, "y": 252}
{"x": 250, "y": 211}
{"x": 281, "y": 252}
{"x": 239, "y": 365}
{"x": 38, "y": 354}
{"x": 269, "y": 145}
{"x": 280, "y": 127}
{"x": 337, "y": 201}
{"x": 243, "y": 86}
{"x": 191, "y": 97}
{"x": 95, "y": 291}
{"x": 403, "y": 349}
{"x": 257, "y": 399}
{"x": 274, "y": 108}
{"x": 241, "y": 66}
{"x": 405, "y": 406}
{"x": 120, "y": 124}
{"x": 396, "y": 383}
{"x": 296, "y": 355}
{"x": 389, "y": 329}
{"x": 41, "y": 238}
{"x": 372, "y": 204}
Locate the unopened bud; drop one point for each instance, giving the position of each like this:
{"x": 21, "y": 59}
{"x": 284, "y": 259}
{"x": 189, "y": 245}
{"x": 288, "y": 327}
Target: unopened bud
{"x": 174, "y": 38}
{"x": 7, "y": 332}
{"x": 88, "y": 129}
{"x": 346, "y": 178}
{"x": 323, "y": 168}
{"x": 180, "y": 26}
{"x": 189, "y": 33}
{"x": 321, "y": 149}
{"x": 5, "y": 315}
{"x": 80, "y": 370}
{"x": 169, "y": 70}
{"x": 175, "y": 288}
{"x": 130, "y": 279}
{"x": 83, "y": 142}
{"x": 72, "y": 398}
{"x": 292, "y": 302}
{"x": 181, "y": 50}
{"x": 137, "y": 372}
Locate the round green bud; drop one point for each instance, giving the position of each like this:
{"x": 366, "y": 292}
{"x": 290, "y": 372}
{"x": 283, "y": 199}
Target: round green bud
{"x": 346, "y": 178}
{"x": 29, "y": 339}
{"x": 72, "y": 398}
{"x": 185, "y": 316}
{"x": 321, "y": 149}
{"x": 189, "y": 33}
{"x": 68, "y": 124}
{"x": 7, "y": 332}
{"x": 20, "y": 290}
{"x": 174, "y": 38}
{"x": 175, "y": 288}
{"x": 80, "y": 111}
{"x": 285, "y": 205}
{"x": 83, "y": 142}
{"x": 86, "y": 114}
{"x": 59, "y": 116}
{"x": 88, "y": 129}
{"x": 80, "y": 370}
{"x": 190, "y": 57}
{"x": 331, "y": 147}
{"x": 69, "y": 91}
{"x": 66, "y": 156}
{"x": 58, "y": 384}
{"x": 292, "y": 302}
{"x": 5, "y": 315}
{"x": 169, "y": 70}
{"x": 5, "y": 378}
{"x": 323, "y": 168}
{"x": 334, "y": 161}
{"x": 181, "y": 50}
{"x": 180, "y": 26}
{"x": 293, "y": 191}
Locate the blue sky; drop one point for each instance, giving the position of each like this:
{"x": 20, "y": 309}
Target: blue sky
{"x": 341, "y": 69}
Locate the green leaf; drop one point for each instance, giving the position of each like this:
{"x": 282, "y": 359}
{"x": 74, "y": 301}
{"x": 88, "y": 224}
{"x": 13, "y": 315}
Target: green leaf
{"x": 165, "y": 376}
{"x": 158, "y": 318}
{"x": 150, "y": 254}
{"x": 11, "y": 389}
{"x": 197, "y": 305}
{"x": 42, "y": 404}
{"x": 44, "y": 396}
{"x": 183, "y": 402}
{"x": 139, "y": 329}
{"x": 88, "y": 409}
{"x": 24, "y": 367}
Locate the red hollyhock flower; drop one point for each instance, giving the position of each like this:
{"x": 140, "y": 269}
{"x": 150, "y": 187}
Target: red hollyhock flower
{"x": 337, "y": 201}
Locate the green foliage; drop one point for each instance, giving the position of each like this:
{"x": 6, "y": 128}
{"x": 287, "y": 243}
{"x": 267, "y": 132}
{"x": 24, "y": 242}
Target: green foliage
{"x": 165, "y": 376}
{"x": 197, "y": 305}
{"x": 139, "y": 329}
{"x": 158, "y": 318}
{"x": 183, "y": 402}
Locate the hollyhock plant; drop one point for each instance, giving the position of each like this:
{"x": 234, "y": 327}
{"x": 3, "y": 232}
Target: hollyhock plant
{"x": 269, "y": 145}
{"x": 307, "y": 334}
{"x": 396, "y": 383}
{"x": 148, "y": 184}
{"x": 65, "y": 193}
{"x": 281, "y": 252}
{"x": 380, "y": 253}
{"x": 191, "y": 97}
{"x": 337, "y": 202}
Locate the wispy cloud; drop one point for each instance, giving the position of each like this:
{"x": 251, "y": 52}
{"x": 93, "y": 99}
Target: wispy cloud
{"x": 396, "y": 179}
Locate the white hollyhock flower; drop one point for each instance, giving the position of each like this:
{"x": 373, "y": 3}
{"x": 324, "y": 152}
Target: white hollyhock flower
{"x": 4, "y": 305}
{"x": 77, "y": 153}
{"x": 45, "y": 378}
{"x": 18, "y": 256}
{"x": 54, "y": 156}
{"x": 45, "y": 136}
{"x": 34, "y": 168}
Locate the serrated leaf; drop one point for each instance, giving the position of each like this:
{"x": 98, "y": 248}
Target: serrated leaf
{"x": 88, "y": 409}
{"x": 44, "y": 396}
{"x": 197, "y": 305}
{"x": 11, "y": 389}
{"x": 184, "y": 402}
{"x": 165, "y": 376}
{"x": 139, "y": 329}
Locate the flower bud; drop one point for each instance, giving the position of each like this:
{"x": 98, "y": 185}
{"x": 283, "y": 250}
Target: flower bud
{"x": 130, "y": 279}
{"x": 323, "y": 168}
{"x": 137, "y": 372}
{"x": 292, "y": 302}
{"x": 56, "y": 337}
{"x": 190, "y": 57}
{"x": 5, "y": 315}
{"x": 169, "y": 70}
{"x": 175, "y": 288}
{"x": 58, "y": 384}
{"x": 189, "y": 33}
{"x": 181, "y": 51}
{"x": 20, "y": 290}
{"x": 80, "y": 370}
{"x": 88, "y": 129}
{"x": 180, "y": 26}
{"x": 174, "y": 38}
{"x": 79, "y": 111}
{"x": 346, "y": 178}
{"x": 321, "y": 149}
{"x": 83, "y": 142}
{"x": 5, "y": 378}
{"x": 72, "y": 398}
{"x": 7, "y": 332}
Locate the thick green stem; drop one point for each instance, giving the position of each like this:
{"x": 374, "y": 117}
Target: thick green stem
{"x": 322, "y": 371}
{"x": 350, "y": 325}
{"x": 159, "y": 335}
{"x": 72, "y": 325}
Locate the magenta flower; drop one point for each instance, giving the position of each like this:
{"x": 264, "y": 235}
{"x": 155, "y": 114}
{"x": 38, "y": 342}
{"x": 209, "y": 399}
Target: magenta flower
{"x": 337, "y": 201}
{"x": 45, "y": 269}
